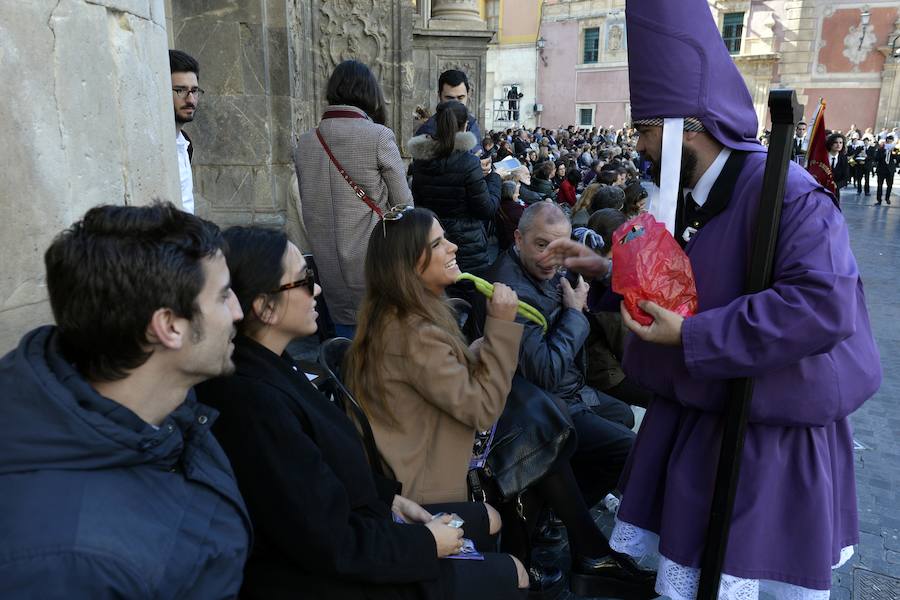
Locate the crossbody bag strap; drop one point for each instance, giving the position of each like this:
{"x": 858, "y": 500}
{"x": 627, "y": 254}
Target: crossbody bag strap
{"x": 360, "y": 193}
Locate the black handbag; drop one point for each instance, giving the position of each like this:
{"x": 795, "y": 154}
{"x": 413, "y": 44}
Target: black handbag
{"x": 534, "y": 432}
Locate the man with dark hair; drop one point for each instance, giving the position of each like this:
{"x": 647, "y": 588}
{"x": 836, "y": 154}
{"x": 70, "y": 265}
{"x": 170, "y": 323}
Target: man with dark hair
{"x": 556, "y": 361}
{"x": 186, "y": 94}
{"x": 452, "y": 85}
{"x": 113, "y": 485}
{"x": 799, "y": 143}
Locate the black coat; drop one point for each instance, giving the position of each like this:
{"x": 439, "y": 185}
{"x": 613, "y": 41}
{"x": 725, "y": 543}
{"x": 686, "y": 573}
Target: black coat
{"x": 886, "y": 168}
{"x": 542, "y": 187}
{"x": 841, "y": 171}
{"x": 322, "y": 522}
{"x": 463, "y": 198}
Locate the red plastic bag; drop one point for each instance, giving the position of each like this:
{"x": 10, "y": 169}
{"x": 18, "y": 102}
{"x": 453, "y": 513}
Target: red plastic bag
{"x": 648, "y": 264}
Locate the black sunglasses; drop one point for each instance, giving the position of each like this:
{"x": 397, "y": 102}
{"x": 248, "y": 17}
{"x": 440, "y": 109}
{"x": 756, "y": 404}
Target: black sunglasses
{"x": 309, "y": 282}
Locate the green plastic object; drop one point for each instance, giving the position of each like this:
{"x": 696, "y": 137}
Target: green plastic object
{"x": 525, "y": 310}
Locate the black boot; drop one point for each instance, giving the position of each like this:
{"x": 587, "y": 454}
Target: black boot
{"x": 547, "y": 536}
{"x": 543, "y": 581}
{"x": 614, "y": 575}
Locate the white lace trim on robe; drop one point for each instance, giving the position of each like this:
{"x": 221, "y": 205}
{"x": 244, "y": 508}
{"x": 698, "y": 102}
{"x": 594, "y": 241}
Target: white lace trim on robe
{"x": 679, "y": 582}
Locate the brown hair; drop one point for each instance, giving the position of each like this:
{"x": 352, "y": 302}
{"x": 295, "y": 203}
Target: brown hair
{"x": 587, "y": 196}
{"x": 395, "y": 292}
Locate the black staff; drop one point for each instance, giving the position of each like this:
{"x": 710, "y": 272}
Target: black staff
{"x": 785, "y": 112}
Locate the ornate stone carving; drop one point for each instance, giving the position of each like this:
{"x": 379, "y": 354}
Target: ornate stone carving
{"x": 858, "y": 43}
{"x": 615, "y": 38}
{"x": 353, "y": 30}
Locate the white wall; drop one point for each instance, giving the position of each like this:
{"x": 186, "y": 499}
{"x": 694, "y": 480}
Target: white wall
{"x": 505, "y": 65}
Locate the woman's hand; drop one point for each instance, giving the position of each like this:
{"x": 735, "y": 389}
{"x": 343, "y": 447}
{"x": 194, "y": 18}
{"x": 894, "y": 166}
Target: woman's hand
{"x": 409, "y": 511}
{"x": 504, "y": 303}
{"x": 447, "y": 539}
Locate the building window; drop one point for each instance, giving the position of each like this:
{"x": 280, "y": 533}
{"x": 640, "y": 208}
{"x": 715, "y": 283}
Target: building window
{"x": 591, "y": 45}
{"x": 733, "y": 31}
{"x": 585, "y": 117}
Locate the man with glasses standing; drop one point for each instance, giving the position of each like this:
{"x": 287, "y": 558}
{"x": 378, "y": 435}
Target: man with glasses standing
{"x": 185, "y": 96}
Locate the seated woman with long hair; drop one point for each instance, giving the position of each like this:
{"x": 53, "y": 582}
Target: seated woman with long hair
{"x": 426, "y": 392}
{"x": 322, "y": 520}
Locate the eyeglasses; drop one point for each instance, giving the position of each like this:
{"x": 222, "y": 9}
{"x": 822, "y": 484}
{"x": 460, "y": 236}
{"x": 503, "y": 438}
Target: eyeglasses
{"x": 183, "y": 92}
{"x": 395, "y": 214}
{"x": 309, "y": 282}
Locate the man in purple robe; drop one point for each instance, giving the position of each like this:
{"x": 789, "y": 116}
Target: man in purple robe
{"x": 806, "y": 341}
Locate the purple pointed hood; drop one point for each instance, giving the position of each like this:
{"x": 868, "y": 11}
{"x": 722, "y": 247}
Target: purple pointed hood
{"x": 678, "y": 66}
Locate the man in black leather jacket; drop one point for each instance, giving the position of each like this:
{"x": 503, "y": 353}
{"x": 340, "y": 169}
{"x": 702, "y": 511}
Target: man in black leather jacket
{"x": 557, "y": 361}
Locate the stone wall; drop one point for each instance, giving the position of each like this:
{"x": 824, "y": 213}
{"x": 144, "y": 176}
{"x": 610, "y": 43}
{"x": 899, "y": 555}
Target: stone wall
{"x": 264, "y": 65}
{"x": 85, "y": 119}
{"x": 242, "y": 130}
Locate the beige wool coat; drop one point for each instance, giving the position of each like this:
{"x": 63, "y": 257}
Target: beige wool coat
{"x": 338, "y": 223}
{"x": 439, "y": 406}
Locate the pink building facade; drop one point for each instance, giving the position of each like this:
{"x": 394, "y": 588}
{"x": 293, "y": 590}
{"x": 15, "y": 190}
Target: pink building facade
{"x": 846, "y": 52}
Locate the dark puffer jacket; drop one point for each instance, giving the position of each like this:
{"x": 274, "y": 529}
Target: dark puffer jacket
{"x": 462, "y": 197}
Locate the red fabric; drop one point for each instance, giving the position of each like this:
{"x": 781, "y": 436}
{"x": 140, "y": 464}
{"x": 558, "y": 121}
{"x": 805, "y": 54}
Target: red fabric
{"x": 566, "y": 193}
{"x": 648, "y": 264}
{"x": 817, "y": 162}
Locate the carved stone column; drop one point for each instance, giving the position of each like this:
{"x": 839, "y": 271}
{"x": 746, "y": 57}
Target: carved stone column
{"x": 889, "y": 102}
{"x": 459, "y": 10}
{"x": 451, "y": 36}
{"x": 86, "y": 119}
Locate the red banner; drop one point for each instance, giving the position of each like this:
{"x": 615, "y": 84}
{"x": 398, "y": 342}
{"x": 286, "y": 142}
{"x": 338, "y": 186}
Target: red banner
{"x": 817, "y": 154}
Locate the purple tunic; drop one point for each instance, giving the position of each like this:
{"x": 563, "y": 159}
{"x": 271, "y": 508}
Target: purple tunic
{"x": 808, "y": 345}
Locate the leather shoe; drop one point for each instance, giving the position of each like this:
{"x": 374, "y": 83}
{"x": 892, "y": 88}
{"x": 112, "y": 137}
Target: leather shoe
{"x": 543, "y": 581}
{"x": 547, "y": 536}
{"x": 614, "y": 575}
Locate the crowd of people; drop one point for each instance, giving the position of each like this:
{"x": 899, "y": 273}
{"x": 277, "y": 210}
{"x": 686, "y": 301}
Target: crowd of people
{"x": 855, "y": 157}
{"x": 160, "y": 441}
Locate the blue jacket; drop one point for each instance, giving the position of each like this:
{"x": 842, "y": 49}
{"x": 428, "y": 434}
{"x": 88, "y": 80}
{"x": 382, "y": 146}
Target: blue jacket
{"x": 97, "y": 504}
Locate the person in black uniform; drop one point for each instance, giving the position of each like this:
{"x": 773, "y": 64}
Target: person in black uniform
{"x": 799, "y": 144}
{"x": 837, "y": 160}
{"x": 887, "y": 159}
{"x": 856, "y": 157}
{"x": 870, "y": 162}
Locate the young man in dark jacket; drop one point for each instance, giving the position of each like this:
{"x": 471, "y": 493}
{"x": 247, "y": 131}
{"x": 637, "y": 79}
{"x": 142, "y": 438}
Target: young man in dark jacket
{"x": 112, "y": 484}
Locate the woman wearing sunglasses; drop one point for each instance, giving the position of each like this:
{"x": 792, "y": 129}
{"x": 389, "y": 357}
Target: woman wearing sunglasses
{"x": 322, "y": 520}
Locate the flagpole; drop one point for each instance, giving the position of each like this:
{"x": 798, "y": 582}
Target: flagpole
{"x": 785, "y": 112}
